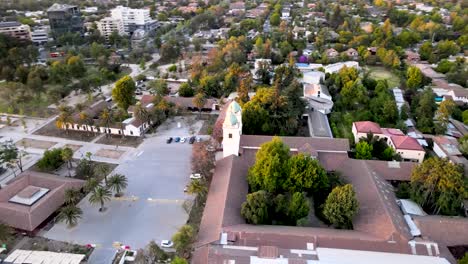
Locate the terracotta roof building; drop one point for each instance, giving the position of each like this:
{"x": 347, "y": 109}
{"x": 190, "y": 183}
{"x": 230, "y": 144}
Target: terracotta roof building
{"x": 408, "y": 147}
{"x": 32, "y": 197}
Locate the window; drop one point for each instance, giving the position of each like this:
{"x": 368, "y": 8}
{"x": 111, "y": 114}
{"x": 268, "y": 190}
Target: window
{"x": 131, "y": 133}
{"x": 120, "y": 132}
{"x": 230, "y": 135}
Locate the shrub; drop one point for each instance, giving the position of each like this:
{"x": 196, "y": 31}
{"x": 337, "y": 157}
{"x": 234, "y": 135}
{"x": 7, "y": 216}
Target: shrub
{"x": 185, "y": 90}
{"x": 172, "y": 68}
{"x": 51, "y": 160}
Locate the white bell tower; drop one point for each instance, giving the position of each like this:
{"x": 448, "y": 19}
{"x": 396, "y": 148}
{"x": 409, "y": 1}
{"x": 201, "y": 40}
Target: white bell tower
{"x": 232, "y": 129}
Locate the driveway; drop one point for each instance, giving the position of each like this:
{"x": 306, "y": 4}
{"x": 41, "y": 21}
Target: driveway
{"x": 151, "y": 208}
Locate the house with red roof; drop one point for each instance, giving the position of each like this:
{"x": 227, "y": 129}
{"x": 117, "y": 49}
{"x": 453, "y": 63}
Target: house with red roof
{"x": 408, "y": 147}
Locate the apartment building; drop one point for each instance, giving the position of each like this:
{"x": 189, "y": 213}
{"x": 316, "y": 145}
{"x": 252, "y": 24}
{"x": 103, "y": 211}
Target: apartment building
{"x": 64, "y": 18}
{"x": 108, "y": 25}
{"x": 15, "y": 30}
{"x": 133, "y": 19}
{"x": 40, "y": 35}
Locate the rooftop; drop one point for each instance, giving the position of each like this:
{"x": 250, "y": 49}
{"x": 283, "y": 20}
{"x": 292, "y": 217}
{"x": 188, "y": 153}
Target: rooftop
{"x": 60, "y": 7}
{"x": 9, "y": 24}
{"x": 32, "y": 197}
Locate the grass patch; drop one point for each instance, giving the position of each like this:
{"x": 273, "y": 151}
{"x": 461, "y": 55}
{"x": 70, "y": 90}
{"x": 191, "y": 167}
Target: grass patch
{"x": 381, "y": 73}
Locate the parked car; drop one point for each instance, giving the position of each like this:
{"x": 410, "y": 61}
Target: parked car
{"x": 177, "y": 139}
{"x": 169, "y": 140}
{"x": 138, "y": 92}
{"x": 195, "y": 176}
{"x": 166, "y": 243}
{"x": 191, "y": 140}
{"x": 183, "y": 139}
{"x": 198, "y": 139}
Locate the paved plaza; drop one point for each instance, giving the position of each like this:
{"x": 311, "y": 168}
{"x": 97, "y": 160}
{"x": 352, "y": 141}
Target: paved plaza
{"x": 151, "y": 208}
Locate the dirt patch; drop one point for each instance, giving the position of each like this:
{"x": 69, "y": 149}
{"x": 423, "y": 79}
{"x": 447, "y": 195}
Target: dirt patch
{"x": 73, "y": 147}
{"x": 119, "y": 141}
{"x": 110, "y": 153}
{"x": 51, "y": 130}
{"x": 34, "y": 143}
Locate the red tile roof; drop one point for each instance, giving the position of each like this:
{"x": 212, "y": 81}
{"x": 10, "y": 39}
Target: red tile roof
{"x": 451, "y": 231}
{"x": 406, "y": 142}
{"x": 367, "y": 127}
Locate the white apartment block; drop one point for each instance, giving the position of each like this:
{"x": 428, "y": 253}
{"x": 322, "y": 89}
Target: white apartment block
{"x": 15, "y": 30}
{"x": 108, "y": 25}
{"x": 132, "y": 19}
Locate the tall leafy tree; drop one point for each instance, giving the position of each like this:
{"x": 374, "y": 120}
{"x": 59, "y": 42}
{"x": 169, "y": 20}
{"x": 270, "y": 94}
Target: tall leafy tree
{"x": 443, "y": 114}
{"x": 414, "y": 77}
{"x": 124, "y": 92}
{"x": 6, "y": 233}
{"x": 255, "y": 209}
{"x": 268, "y": 171}
{"x": 341, "y": 206}
{"x": 304, "y": 175}
{"x": 183, "y": 239}
{"x": 199, "y": 101}
{"x": 363, "y": 150}
{"x": 438, "y": 186}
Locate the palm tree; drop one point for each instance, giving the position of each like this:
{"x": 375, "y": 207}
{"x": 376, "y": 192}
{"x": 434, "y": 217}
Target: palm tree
{"x": 64, "y": 118}
{"x": 72, "y": 196}
{"x": 117, "y": 183}
{"x": 100, "y": 195}
{"x": 198, "y": 187}
{"x": 70, "y": 214}
{"x": 102, "y": 170}
{"x": 6, "y": 233}
{"x": 199, "y": 101}
{"x": 79, "y": 107}
{"x": 91, "y": 184}
{"x": 86, "y": 120}
{"x": 106, "y": 118}
{"x": 67, "y": 156}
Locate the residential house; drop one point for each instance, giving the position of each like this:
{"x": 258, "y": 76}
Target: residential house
{"x": 237, "y": 8}
{"x": 412, "y": 57}
{"x": 408, "y": 147}
{"x": 336, "y": 67}
{"x": 447, "y": 147}
{"x": 313, "y": 77}
{"x": 352, "y": 54}
{"x": 332, "y": 53}
{"x": 318, "y": 98}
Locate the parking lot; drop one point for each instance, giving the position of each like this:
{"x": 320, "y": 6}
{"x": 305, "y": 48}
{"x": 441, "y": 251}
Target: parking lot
{"x": 151, "y": 208}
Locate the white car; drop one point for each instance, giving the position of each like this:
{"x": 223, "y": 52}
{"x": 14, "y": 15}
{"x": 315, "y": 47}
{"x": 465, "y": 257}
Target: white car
{"x": 183, "y": 139}
{"x": 195, "y": 176}
{"x": 166, "y": 243}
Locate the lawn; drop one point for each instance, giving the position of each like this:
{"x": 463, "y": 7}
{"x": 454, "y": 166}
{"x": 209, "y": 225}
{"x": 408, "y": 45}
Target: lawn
{"x": 381, "y": 73}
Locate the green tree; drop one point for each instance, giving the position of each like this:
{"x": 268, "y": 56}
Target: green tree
{"x": 443, "y": 114}
{"x": 426, "y": 51}
{"x": 341, "y": 206}
{"x": 72, "y": 196}
{"x": 67, "y": 156}
{"x": 91, "y": 184}
{"x": 414, "y": 77}
{"x": 291, "y": 208}
{"x": 255, "y": 209}
{"x": 465, "y": 117}
{"x": 304, "y": 175}
{"x": 363, "y": 150}
{"x": 185, "y": 90}
{"x": 6, "y": 233}
{"x": 275, "y": 19}
{"x": 199, "y": 101}
{"x": 178, "y": 260}
{"x": 11, "y": 155}
{"x": 445, "y": 48}
{"x": 76, "y": 66}
{"x": 445, "y": 66}
{"x": 100, "y": 195}
{"x": 117, "y": 183}
{"x": 464, "y": 260}
{"x": 106, "y": 118}
{"x": 268, "y": 171}
{"x": 183, "y": 239}
{"x": 51, "y": 160}
{"x": 102, "y": 170}
{"x": 159, "y": 87}
{"x": 70, "y": 215}
{"x": 438, "y": 186}
{"x": 198, "y": 187}
{"x": 424, "y": 112}
{"x": 124, "y": 92}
